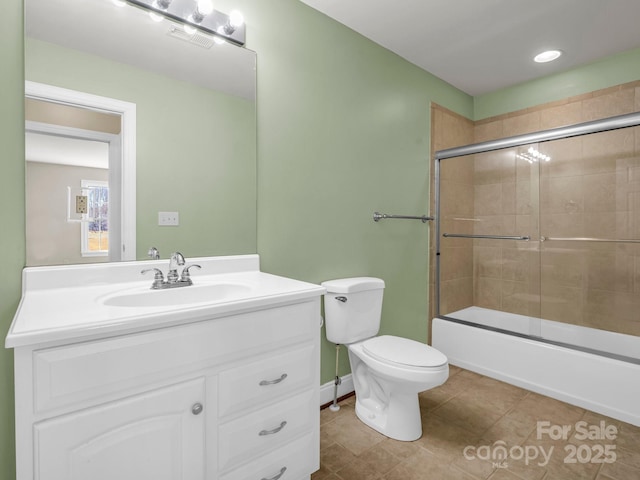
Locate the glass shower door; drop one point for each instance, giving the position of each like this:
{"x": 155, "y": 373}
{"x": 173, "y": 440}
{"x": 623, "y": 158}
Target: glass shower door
{"x": 489, "y": 232}
{"x": 590, "y": 249}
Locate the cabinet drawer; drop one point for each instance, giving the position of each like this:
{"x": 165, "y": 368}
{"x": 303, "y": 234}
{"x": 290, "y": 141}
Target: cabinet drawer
{"x": 264, "y": 380}
{"x": 293, "y": 461}
{"x": 94, "y": 370}
{"x": 266, "y": 429}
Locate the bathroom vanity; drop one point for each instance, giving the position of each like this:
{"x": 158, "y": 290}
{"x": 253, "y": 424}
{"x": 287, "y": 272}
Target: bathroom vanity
{"x": 218, "y": 380}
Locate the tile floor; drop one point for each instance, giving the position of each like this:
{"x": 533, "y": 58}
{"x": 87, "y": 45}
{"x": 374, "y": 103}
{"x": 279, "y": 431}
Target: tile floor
{"x": 477, "y": 415}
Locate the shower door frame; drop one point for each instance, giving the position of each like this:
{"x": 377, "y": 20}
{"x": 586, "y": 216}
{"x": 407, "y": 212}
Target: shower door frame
{"x": 580, "y": 129}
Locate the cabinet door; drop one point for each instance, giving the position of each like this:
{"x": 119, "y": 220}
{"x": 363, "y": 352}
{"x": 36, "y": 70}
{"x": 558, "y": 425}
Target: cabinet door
{"x": 157, "y": 435}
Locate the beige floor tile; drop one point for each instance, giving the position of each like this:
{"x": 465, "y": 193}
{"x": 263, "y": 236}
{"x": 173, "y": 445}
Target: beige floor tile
{"x": 472, "y": 410}
{"x": 472, "y": 415}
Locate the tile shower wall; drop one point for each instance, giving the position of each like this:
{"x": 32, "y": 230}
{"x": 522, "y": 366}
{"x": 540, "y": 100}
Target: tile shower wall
{"x": 451, "y": 130}
{"x": 590, "y": 188}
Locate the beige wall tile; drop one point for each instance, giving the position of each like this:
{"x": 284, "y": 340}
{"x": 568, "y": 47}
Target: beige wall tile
{"x": 487, "y": 199}
{"x": 456, "y": 295}
{"x": 609, "y": 104}
{"x": 561, "y": 115}
{"x": 487, "y": 293}
{"x": 561, "y": 195}
{"x": 484, "y": 132}
{"x": 561, "y": 303}
{"x": 562, "y": 224}
{"x": 602, "y": 152}
{"x": 487, "y": 262}
{"x": 519, "y": 298}
{"x": 456, "y": 263}
{"x": 519, "y": 124}
{"x": 563, "y": 266}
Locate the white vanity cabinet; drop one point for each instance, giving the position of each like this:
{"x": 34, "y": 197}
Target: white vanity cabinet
{"x": 158, "y": 435}
{"x": 229, "y": 396}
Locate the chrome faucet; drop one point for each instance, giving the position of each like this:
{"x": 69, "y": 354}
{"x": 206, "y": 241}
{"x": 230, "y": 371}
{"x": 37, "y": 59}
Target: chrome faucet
{"x": 173, "y": 279}
{"x": 176, "y": 260}
{"x": 153, "y": 253}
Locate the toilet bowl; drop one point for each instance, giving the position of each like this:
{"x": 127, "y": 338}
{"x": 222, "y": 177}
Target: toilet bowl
{"x": 388, "y": 372}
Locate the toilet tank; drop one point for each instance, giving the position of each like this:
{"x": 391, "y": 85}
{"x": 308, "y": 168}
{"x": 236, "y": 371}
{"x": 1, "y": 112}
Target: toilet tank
{"x": 352, "y": 308}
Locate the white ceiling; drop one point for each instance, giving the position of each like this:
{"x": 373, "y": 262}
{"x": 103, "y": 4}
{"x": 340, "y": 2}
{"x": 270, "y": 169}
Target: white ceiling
{"x": 480, "y": 46}
{"x": 60, "y": 150}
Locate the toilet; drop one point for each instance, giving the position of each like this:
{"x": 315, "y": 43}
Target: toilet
{"x": 388, "y": 372}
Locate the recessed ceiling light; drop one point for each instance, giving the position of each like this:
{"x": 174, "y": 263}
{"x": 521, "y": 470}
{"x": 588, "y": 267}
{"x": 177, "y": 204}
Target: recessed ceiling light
{"x": 547, "y": 56}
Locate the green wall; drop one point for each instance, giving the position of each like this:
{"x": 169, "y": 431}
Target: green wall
{"x": 614, "y": 70}
{"x": 343, "y": 131}
{"x": 12, "y": 243}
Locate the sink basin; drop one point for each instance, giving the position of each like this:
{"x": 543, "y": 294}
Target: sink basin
{"x": 194, "y": 294}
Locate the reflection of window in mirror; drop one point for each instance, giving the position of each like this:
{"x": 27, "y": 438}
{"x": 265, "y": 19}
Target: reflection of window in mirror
{"x": 94, "y": 238}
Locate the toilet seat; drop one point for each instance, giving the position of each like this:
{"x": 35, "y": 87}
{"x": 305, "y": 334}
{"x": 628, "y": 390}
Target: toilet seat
{"x": 403, "y": 351}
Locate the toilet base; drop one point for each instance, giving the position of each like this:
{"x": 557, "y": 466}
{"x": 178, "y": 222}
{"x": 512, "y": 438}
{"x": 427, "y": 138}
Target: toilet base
{"x": 399, "y": 419}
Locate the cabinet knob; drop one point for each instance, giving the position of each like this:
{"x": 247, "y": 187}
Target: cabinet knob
{"x": 277, "y": 476}
{"x": 197, "y": 409}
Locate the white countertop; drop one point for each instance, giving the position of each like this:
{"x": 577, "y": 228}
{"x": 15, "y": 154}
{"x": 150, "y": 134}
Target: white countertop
{"x": 67, "y": 302}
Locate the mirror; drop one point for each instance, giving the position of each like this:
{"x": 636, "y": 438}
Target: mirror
{"x": 195, "y": 134}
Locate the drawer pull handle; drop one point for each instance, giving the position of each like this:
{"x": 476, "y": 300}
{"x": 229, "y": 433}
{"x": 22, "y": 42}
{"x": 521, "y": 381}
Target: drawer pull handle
{"x": 276, "y": 477}
{"x": 273, "y": 382}
{"x": 271, "y": 432}
{"x": 197, "y": 409}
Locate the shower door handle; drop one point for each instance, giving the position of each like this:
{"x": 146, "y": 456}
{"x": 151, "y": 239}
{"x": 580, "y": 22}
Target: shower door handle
{"x": 491, "y": 237}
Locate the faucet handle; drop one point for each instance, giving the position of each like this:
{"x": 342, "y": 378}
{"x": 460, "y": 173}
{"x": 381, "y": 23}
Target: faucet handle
{"x": 185, "y": 276}
{"x": 158, "y": 277}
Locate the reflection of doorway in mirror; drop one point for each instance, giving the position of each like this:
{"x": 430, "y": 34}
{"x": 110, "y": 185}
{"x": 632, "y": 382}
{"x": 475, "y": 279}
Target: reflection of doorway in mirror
{"x": 57, "y": 166}
{"x": 72, "y": 138}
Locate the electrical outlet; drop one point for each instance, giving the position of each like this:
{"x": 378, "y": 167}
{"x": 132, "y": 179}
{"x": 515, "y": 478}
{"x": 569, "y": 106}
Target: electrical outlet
{"x": 81, "y": 204}
{"x": 168, "y": 219}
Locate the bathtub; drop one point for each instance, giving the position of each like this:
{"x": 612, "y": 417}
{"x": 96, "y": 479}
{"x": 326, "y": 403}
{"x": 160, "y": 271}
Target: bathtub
{"x": 582, "y": 377}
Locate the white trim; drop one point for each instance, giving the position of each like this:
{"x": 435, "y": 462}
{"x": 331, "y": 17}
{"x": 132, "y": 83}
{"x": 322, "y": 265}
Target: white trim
{"x": 345, "y": 387}
{"x": 127, "y": 112}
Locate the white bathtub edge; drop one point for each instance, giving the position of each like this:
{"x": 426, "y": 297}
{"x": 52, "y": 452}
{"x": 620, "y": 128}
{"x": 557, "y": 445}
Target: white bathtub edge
{"x": 599, "y": 384}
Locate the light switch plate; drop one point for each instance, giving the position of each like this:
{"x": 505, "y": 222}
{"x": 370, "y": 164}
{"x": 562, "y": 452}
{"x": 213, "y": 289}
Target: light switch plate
{"x": 168, "y": 219}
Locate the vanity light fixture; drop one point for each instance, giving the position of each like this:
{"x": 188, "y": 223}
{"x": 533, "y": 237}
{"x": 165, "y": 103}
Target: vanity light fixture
{"x": 548, "y": 56}
{"x": 197, "y": 15}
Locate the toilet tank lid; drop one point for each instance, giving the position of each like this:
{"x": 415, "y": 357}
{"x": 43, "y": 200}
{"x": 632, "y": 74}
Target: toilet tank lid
{"x": 351, "y": 285}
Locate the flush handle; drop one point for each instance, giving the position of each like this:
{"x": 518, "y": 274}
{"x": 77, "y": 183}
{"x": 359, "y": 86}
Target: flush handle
{"x": 342, "y": 299}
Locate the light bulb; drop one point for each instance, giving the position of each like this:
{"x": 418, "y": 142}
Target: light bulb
{"x": 189, "y": 30}
{"x": 156, "y": 17}
{"x": 205, "y": 7}
{"x": 236, "y": 18}
{"x": 547, "y": 56}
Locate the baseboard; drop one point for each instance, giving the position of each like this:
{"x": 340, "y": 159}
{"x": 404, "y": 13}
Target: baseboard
{"x": 345, "y": 388}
